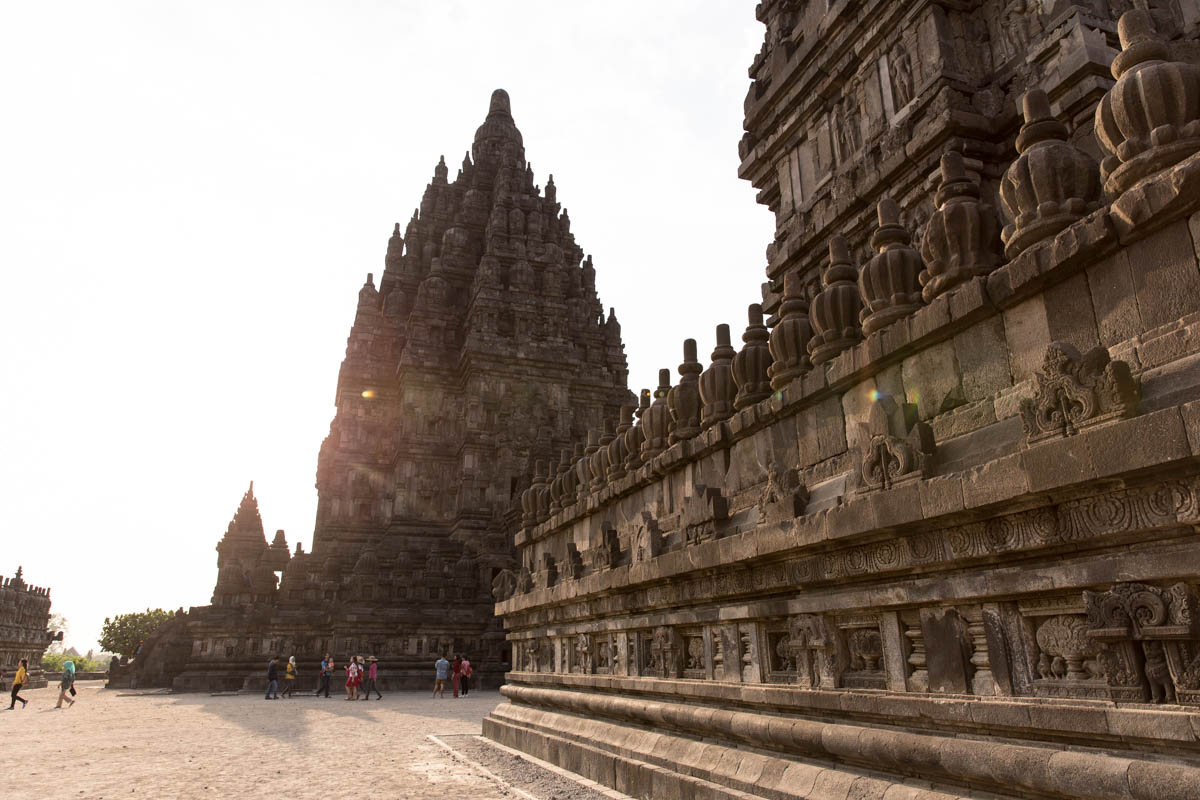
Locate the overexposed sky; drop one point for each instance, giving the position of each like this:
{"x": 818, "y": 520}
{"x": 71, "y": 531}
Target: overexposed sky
{"x": 191, "y": 194}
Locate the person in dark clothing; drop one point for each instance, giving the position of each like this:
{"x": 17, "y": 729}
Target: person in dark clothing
{"x": 273, "y": 678}
{"x": 326, "y": 672}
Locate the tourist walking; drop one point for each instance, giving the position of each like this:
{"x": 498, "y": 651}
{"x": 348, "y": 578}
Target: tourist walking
{"x": 456, "y": 674}
{"x": 326, "y": 675}
{"x": 372, "y": 677}
{"x": 67, "y": 684}
{"x": 289, "y": 677}
{"x": 465, "y": 681}
{"x": 273, "y": 678}
{"x": 353, "y": 678}
{"x": 441, "y": 672}
{"x": 19, "y": 680}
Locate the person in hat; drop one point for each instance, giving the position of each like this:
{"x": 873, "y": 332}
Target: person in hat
{"x": 372, "y": 676}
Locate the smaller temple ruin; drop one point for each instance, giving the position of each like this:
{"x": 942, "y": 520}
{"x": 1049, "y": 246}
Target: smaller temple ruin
{"x": 24, "y": 614}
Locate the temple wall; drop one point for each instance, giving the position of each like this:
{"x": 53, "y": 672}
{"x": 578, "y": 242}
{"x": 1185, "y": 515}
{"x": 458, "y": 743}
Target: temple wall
{"x": 932, "y": 535}
{"x": 24, "y": 614}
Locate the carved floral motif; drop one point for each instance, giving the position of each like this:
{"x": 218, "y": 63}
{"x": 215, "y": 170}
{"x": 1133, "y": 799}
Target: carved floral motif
{"x": 1075, "y": 392}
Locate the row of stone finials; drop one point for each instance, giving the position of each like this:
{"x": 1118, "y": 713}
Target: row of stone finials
{"x": 1140, "y": 123}
{"x": 1148, "y": 122}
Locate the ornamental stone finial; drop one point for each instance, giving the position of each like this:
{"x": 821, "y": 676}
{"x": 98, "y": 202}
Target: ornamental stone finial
{"x": 558, "y": 500}
{"x": 1150, "y": 119}
{"x": 717, "y": 389}
{"x": 617, "y": 452}
{"x": 1051, "y": 184}
{"x": 636, "y": 434}
{"x": 683, "y": 400}
{"x": 789, "y": 338}
{"x": 656, "y": 422}
{"x": 600, "y": 458}
{"x": 961, "y": 238}
{"x": 583, "y": 467}
{"x": 834, "y": 312}
{"x": 751, "y": 364}
{"x": 890, "y": 282}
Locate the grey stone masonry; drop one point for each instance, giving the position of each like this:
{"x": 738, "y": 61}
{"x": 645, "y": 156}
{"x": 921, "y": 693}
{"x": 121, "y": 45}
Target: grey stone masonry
{"x": 954, "y": 553}
{"x": 482, "y": 350}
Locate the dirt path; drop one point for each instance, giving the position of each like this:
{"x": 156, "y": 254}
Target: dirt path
{"x": 119, "y": 744}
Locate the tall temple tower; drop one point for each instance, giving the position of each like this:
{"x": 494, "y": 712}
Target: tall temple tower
{"x": 483, "y": 348}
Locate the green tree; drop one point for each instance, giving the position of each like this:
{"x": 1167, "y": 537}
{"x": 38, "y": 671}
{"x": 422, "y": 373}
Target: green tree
{"x": 124, "y": 632}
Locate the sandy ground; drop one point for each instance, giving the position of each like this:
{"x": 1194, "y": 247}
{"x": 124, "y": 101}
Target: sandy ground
{"x": 117, "y": 744}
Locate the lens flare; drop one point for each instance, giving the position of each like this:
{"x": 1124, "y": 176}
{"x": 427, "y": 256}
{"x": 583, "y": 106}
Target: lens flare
{"x": 368, "y": 393}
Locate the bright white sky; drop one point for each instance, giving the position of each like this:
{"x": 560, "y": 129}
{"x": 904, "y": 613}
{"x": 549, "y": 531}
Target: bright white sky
{"x": 191, "y": 194}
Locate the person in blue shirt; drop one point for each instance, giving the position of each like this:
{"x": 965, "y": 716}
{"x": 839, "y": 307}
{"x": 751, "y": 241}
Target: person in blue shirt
{"x": 441, "y": 675}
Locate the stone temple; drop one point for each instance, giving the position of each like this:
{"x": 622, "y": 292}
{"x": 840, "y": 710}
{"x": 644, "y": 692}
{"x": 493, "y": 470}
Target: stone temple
{"x": 932, "y": 530}
{"x": 482, "y": 349}
{"x": 24, "y": 615}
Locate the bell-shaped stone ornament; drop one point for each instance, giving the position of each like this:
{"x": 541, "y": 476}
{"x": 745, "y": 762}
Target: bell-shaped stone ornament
{"x": 684, "y": 398}
{"x": 1051, "y": 184}
{"x": 656, "y": 422}
{"x": 616, "y": 448}
{"x": 636, "y": 434}
{"x": 890, "y": 282}
{"x": 574, "y": 492}
{"x": 834, "y": 311}
{"x": 1150, "y": 119}
{"x": 789, "y": 338}
{"x": 750, "y": 365}
{"x": 717, "y": 389}
{"x": 583, "y": 467}
{"x": 558, "y": 499}
{"x": 541, "y": 480}
{"x": 600, "y": 459}
{"x": 962, "y": 237}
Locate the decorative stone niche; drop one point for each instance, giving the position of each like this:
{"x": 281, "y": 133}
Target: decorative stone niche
{"x": 864, "y": 654}
{"x": 1149, "y": 641}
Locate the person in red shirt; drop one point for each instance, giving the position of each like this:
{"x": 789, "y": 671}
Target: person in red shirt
{"x": 465, "y": 682}
{"x": 456, "y": 675}
{"x": 372, "y": 675}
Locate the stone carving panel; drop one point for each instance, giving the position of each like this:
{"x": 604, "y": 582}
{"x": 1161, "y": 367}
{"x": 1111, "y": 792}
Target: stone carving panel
{"x": 1077, "y": 391}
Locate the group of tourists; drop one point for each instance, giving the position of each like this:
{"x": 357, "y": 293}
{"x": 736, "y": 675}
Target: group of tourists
{"x": 360, "y": 674}
{"x": 458, "y": 673}
{"x": 66, "y": 686}
{"x": 362, "y": 677}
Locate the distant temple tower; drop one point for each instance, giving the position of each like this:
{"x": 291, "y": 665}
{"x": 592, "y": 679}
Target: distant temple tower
{"x": 24, "y": 614}
{"x": 482, "y": 349}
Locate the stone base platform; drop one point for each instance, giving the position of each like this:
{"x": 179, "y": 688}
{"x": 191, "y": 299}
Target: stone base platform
{"x": 662, "y": 748}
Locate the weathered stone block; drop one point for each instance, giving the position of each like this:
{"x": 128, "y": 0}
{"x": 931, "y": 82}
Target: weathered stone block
{"x": 1027, "y": 333}
{"x": 947, "y": 651}
{"x": 995, "y": 481}
{"x": 1069, "y": 315}
{"x": 1058, "y": 462}
{"x": 1166, "y": 277}
{"x": 1138, "y": 442}
{"x": 1114, "y": 302}
{"x": 932, "y": 380}
{"x": 982, "y": 356}
{"x": 940, "y": 495}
